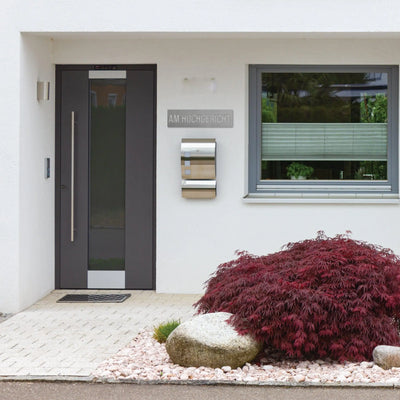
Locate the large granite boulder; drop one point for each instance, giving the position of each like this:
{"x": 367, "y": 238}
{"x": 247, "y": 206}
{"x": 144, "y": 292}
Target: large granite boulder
{"x": 208, "y": 340}
{"x": 386, "y": 356}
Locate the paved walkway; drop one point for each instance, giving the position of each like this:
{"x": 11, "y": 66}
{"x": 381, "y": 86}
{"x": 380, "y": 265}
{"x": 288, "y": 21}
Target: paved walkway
{"x": 52, "y": 338}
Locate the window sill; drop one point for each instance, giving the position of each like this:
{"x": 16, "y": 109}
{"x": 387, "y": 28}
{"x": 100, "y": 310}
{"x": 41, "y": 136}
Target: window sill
{"x": 321, "y": 198}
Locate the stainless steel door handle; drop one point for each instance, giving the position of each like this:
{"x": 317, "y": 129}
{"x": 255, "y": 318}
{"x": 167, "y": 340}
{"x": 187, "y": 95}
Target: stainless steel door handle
{"x": 72, "y": 174}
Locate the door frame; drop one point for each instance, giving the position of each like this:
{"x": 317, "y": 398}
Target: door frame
{"x": 57, "y": 163}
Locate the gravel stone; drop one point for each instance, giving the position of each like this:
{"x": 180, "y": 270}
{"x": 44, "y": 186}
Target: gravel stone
{"x": 153, "y": 363}
{"x": 299, "y": 378}
{"x": 267, "y": 367}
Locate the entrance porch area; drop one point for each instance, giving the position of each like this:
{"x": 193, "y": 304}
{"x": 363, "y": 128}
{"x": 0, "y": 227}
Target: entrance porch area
{"x": 72, "y": 339}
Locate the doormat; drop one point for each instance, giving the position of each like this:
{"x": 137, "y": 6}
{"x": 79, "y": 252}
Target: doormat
{"x": 94, "y": 298}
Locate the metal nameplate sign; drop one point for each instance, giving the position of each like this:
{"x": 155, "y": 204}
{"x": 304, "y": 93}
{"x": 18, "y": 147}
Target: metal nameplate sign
{"x": 200, "y": 118}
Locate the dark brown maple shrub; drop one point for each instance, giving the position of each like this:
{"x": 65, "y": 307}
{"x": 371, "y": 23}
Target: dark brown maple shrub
{"x": 319, "y": 298}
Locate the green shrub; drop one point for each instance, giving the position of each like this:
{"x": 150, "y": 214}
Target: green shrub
{"x": 162, "y": 331}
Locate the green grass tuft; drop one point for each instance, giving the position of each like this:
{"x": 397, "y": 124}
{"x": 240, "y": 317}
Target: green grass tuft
{"x": 162, "y": 331}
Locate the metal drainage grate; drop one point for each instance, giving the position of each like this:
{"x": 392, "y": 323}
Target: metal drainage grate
{"x": 94, "y": 298}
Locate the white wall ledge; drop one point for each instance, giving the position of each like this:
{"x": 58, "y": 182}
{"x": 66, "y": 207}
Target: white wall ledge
{"x": 320, "y": 198}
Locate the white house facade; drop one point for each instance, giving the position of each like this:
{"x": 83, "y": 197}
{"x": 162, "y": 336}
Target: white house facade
{"x": 214, "y": 71}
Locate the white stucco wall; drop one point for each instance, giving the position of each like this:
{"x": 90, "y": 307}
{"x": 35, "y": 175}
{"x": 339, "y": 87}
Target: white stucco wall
{"x": 36, "y": 272}
{"x": 198, "y": 40}
{"x": 208, "y": 16}
{"x": 9, "y": 161}
{"x": 194, "y": 236}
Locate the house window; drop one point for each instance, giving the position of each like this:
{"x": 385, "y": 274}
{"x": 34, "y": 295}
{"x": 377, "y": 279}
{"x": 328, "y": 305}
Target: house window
{"x": 323, "y": 129}
{"x": 112, "y": 99}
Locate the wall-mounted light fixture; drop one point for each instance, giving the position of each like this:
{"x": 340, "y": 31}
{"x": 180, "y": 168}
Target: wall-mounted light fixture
{"x": 43, "y": 91}
{"x": 213, "y": 84}
{"x": 201, "y": 83}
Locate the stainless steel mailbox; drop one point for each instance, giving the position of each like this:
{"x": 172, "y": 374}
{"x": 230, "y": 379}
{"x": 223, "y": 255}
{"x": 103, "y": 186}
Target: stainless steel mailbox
{"x": 198, "y": 168}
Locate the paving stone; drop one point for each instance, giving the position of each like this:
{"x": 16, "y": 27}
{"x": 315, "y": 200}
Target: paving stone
{"x": 52, "y": 338}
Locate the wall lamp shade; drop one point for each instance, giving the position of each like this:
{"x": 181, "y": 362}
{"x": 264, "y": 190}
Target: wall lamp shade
{"x": 200, "y": 83}
{"x": 43, "y": 91}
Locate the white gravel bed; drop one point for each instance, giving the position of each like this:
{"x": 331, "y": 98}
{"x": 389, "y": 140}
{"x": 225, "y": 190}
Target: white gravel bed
{"x": 146, "y": 359}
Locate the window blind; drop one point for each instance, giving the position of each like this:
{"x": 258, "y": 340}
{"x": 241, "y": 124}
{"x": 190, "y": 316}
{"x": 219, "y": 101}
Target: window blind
{"x": 324, "y": 141}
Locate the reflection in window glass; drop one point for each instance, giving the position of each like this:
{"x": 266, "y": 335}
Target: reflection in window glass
{"x": 324, "y": 126}
{"x": 107, "y": 175}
